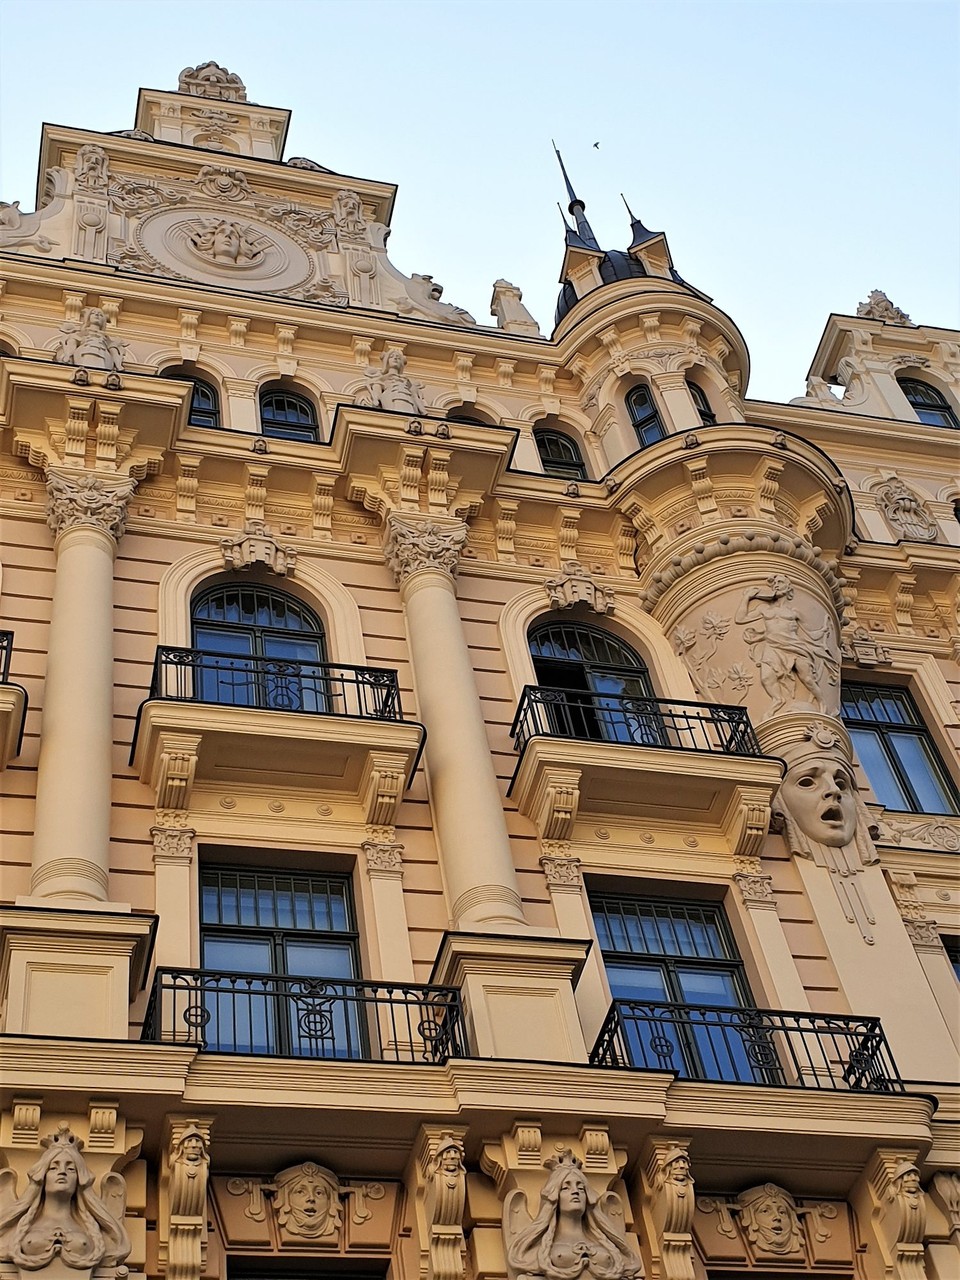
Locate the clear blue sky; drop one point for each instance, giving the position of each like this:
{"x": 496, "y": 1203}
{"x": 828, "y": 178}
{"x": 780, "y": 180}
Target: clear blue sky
{"x": 798, "y": 153}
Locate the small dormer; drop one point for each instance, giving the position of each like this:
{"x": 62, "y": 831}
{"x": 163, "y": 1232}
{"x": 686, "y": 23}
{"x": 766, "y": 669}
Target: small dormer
{"x": 888, "y": 367}
{"x": 210, "y": 109}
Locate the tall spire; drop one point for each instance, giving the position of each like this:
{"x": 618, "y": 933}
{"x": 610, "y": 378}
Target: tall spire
{"x": 583, "y": 237}
{"x": 640, "y": 233}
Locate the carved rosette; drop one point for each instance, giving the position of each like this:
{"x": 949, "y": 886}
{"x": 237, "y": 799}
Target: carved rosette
{"x": 414, "y": 544}
{"x": 78, "y": 499}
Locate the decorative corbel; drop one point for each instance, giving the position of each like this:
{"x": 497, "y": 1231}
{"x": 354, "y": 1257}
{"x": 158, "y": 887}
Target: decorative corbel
{"x": 556, "y": 803}
{"x": 441, "y": 1180}
{"x": 257, "y": 545}
{"x": 668, "y": 1193}
{"x": 381, "y": 788}
{"x": 576, "y": 585}
{"x": 175, "y": 769}
{"x": 184, "y": 1175}
{"x": 891, "y": 1207}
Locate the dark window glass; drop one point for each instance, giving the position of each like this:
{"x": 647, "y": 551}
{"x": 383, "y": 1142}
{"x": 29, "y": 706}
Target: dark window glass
{"x": 204, "y": 403}
{"x": 699, "y": 397}
{"x": 288, "y": 416}
{"x": 644, "y": 416}
{"x": 269, "y": 926}
{"x": 896, "y": 750}
{"x": 604, "y": 690}
{"x": 660, "y": 953}
{"x": 560, "y": 455}
{"x": 951, "y": 944}
{"x": 928, "y": 403}
{"x": 259, "y": 648}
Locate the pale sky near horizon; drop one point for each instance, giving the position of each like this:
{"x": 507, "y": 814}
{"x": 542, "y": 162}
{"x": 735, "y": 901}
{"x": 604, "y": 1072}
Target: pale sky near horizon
{"x": 798, "y": 153}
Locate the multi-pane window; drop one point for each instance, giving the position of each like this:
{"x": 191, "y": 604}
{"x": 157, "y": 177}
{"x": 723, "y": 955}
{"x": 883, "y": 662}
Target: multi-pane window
{"x": 204, "y": 402}
{"x": 699, "y": 398}
{"x": 560, "y": 455}
{"x": 287, "y": 416}
{"x": 660, "y": 954}
{"x": 258, "y": 648}
{"x": 279, "y": 950}
{"x": 645, "y": 416}
{"x": 951, "y": 944}
{"x": 928, "y": 403}
{"x": 599, "y": 687}
{"x": 896, "y": 750}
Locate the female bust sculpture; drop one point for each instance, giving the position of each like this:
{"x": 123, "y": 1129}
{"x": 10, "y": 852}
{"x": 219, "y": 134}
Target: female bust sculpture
{"x": 571, "y": 1236}
{"x": 60, "y": 1216}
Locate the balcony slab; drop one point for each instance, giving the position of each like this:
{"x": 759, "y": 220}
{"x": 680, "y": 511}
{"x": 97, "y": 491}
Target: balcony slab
{"x": 561, "y": 779}
{"x": 13, "y": 709}
{"x": 367, "y": 762}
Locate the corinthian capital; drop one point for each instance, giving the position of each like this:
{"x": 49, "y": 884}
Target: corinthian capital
{"x": 82, "y": 498}
{"x": 421, "y": 542}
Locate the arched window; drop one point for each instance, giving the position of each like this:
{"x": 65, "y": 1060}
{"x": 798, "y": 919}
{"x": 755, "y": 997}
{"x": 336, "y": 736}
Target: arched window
{"x": 559, "y": 454}
{"x": 645, "y": 416}
{"x": 287, "y": 415}
{"x": 593, "y": 685}
{"x": 257, "y": 647}
{"x": 467, "y": 413}
{"x": 699, "y": 398}
{"x": 204, "y": 403}
{"x": 928, "y": 403}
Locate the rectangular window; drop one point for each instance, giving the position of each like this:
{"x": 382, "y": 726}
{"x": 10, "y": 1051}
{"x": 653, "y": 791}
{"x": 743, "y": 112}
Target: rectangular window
{"x": 279, "y": 953}
{"x": 896, "y": 750}
{"x": 681, "y": 991}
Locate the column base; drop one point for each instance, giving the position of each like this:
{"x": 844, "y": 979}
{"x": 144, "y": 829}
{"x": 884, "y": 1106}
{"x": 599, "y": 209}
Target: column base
{"x": 68, "y": 972}
{"x": 518, "y": 993}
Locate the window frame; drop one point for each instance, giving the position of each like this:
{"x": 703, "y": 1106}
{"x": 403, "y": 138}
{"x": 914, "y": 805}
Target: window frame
{"x": 305, "y": 430}
{"x": 930, "y": 401}
{"x": 701, "y": 403}
{"x": 570, "y": 468}
{"x": 951, "y": 945}
{"x": 272, "y": 1010}
{"x": 644, "y": 422}
{"x": 883, "y": 731}
{"x": 196, "y": 415}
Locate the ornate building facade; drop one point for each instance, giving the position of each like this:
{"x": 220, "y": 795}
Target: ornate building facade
{"x": 476, "y": 804}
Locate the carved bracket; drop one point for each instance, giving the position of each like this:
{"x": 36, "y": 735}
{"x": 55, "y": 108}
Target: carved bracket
{"x": 257, "y": 545}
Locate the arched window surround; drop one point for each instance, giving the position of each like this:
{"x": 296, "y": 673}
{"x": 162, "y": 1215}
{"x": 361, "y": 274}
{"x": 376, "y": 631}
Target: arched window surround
{"x": 632, "y": 626}
{"x": 318, "y": 590}
{"x": 928, "y": 402}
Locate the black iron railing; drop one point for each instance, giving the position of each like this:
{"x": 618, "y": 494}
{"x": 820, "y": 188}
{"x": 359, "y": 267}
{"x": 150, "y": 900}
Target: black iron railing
{"x": 748, "y": 1046}
{"x": 275, "y": 684}
{"x": 6, "y": 652}
{"x": 645, "y": 722}
{"x": 283, "y": 1016}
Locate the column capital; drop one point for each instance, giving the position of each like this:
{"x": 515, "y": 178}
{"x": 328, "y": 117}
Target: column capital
{"x": 415, "y": 542}
{"x": 87, "y": 499}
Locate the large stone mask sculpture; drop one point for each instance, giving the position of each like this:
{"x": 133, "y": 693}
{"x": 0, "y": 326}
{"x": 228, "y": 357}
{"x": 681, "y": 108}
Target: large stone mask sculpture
{"x": 824, "y": 818}
{"x": 60, "y": 1217}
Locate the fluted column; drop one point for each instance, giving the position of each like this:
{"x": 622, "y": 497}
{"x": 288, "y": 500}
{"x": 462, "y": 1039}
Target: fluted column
{"x": 475, "y": 853}
{"x": 72, "y": 836}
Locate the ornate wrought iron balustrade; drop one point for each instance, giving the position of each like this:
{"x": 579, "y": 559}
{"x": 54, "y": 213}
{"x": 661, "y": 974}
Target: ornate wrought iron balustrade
{"x": 646, "y": 722}
{"x": 283, "y": 1016}
{"x": 275, "y": 684}
{"x": 748, "y": 1046}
